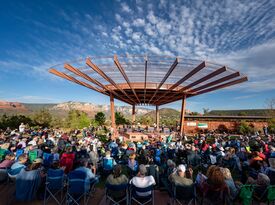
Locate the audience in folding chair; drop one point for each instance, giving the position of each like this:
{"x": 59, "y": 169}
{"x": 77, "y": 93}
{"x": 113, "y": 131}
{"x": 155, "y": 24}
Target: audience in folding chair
{"x": 117, "y": 182}
{"x": 143, "y": 181}
{"x": 29, "y": 180}
{"x": 270, "y": 171}
{"x": 67, "y": 159}
{"x": 108, "y": 162}
{"x": 261, "y": 184}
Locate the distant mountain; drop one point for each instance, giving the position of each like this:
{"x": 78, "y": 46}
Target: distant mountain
{"x": 61, "y": 109}
{"x": 167, "y": 113}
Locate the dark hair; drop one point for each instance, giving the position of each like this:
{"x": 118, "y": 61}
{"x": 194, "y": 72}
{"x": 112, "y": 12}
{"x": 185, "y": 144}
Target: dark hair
{"x": 117, "y": 171}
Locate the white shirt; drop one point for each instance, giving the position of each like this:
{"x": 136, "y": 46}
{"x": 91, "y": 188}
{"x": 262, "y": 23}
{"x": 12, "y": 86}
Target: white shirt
{"x": 143, "y": 182}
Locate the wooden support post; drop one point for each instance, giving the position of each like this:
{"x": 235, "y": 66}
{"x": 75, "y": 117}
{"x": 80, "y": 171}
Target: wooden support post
{"x": 157, "y": 117}
{"x": 112, "y": 109}
{"x": 133, "y": 115}
{"x": 182, "y": 115}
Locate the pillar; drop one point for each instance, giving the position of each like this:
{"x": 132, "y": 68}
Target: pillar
{"x": 133, "y": 116}
{"x": 182, "y": 115}
{"x": 112, "y": 110}
{"x": 157, "y": 117}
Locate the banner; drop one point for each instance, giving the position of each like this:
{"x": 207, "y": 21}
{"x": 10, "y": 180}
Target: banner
{"x": 202, "y": 125}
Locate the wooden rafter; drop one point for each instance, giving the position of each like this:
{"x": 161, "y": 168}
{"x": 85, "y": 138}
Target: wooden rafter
{"x": 173, "y": 66}
{"x": 107, "y": 78}
{"x": 92, "y": 80}
{"x": 186, "y": 77}
{"x": 122, "y": 71}
{"x": 145, "y": 77}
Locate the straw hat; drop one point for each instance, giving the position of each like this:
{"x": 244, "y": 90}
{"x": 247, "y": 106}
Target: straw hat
{"x": 37, "y": 161}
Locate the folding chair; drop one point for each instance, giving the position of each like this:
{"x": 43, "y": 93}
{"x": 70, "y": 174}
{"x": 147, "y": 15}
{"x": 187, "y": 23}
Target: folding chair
{"x": 246, "y": 194}
{"x": 19, "y": 152}
{"x": 184, "y": 193}
{"x": 54, "y": 185}
{"x": 78, "y": 188}
{"x": 271, "y": 194}
{"x": 33, "y": 154}
{"x": 136, "y": 195}
{"x": 3, "y": 175}
{"x": 2, "y": 153}
{"x": 12, "y": 173}
{"x": 116, "y": 193}
{"x": 108, "y": 165}
{"x": 47, "y": 159}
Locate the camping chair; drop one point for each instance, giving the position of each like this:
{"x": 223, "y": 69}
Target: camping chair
{"x": 116, "y": 193}
{"x": 184, "y": 193}
{"x": 47, "y": 159}
{"x": 3, "y": 175}
{"x": 12, "y": 173}
{"x": 33, "y": 154}
{"x": 136, "y": 195}
{"x": 2, "y": 153}
{"x": 78, "y": 188}
{"x": 271, "y": 194}
{"x": 19, "y": 152}
{"x": 246, "y": 194}
{"x": 108, "y": 165}
{"x": 54, "y": 185}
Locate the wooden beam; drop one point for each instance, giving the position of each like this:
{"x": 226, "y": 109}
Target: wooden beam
{"x": 173, "y": 66}
{"x": 183, "y": 105}
{"x": 145, "y": 77}
{"x": 226, "y": 78}
{"x": 243, "y": 79}
{"x": 205, "y": 78}
{"x": 112, "y": 110}
{"x": 70, "y": 78}
{"x": 107, "y": 78}
{"x": 133, "y": 116}
{"x": 122, "y": 71}
{"x": 157, "y": 117}
{"x": 183, "y": 79}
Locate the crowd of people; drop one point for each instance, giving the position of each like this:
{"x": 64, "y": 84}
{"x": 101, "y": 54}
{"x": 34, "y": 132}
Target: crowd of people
{"x": 218, "y": 164}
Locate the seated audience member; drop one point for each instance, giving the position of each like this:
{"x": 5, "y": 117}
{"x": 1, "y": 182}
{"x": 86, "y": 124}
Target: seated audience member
{"x": 132, "y": 163}
{"x": 262, "y": 182}
{"x": 230, "y": 183}
{"x": 108, "y": 161}
{"x": 21, "y": 163}
{"x": 270, "y": 171}
{"x": 179, "y": 177}
{"x": 143, "y": 181}
{"x": 116, "y": 178}
{"x": 67, "y": 159}
{"x": 29, "y": 180}
{"x": 8, "y": 161}
{"x": 214, "y": 188}
{"x": 84, "y": 168}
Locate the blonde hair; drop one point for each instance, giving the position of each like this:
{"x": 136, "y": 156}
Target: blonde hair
{"x": 226, "y": 173}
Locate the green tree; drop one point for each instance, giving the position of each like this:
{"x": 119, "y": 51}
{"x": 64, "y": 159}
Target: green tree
{"x": 42, "y": 118}
{"x": 100, "y": 118}
{"x": 77, "y": 119}
{"x": 244, "y": 128}
{"x": 120, "y": 119}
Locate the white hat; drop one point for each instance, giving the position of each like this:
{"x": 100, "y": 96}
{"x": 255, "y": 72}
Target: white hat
{"x": 181, "y": 167}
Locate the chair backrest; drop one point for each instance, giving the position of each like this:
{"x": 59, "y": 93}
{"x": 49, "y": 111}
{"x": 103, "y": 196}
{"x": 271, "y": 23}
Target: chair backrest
{"x": 2, "y": 153}
{"x": 271, "y": 175}
{"x": 139, "y": 191}
{"x": 119, "y": 187}
{"x": 185, "y": 192}
{"x": 246, "y": 193}
{"x": 108, "y": 164}
{"x": 55, "y": 179}
{"x": 271, "y": 193}
{"x": 33, "y": 154}
{"x": 77, "y": 182}
{"x": 16, "y": 171}
{"x": 19, "y": 152}
{"x": 47, "y": 159}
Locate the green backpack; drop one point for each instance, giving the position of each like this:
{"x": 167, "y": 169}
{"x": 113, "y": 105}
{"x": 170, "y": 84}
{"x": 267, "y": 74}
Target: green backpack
{"x": 2, "y": 154}
{"x": 246, "y": 194}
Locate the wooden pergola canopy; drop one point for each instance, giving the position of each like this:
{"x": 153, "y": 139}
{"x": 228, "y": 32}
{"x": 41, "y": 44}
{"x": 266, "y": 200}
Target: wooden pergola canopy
{"x": 148, "y": 80}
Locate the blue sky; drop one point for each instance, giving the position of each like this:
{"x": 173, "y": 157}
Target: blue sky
{"x": 36, "y": 35}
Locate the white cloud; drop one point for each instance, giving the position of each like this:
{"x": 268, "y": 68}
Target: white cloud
{"x": 139, "y": 22}
{"x": 125, "y": 8}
